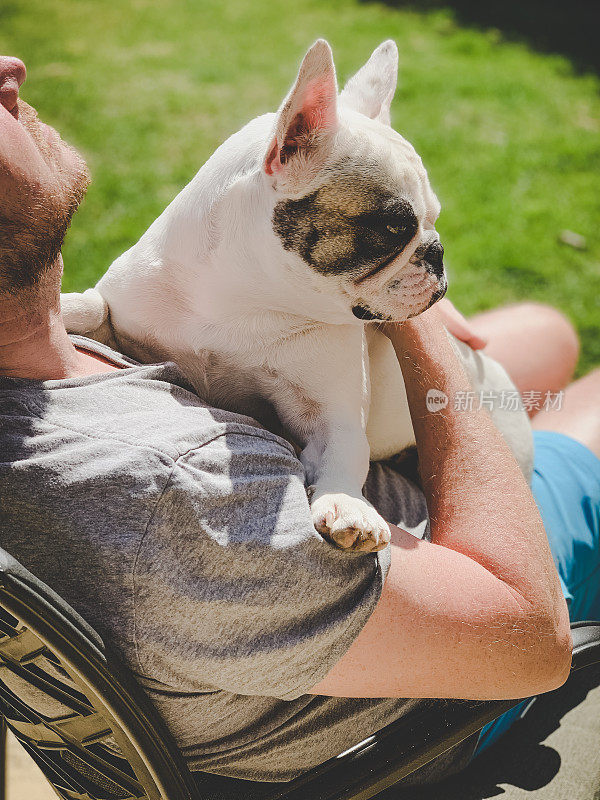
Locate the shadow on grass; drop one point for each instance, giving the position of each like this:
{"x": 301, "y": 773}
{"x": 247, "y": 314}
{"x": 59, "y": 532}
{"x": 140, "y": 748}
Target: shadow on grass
{"x": 570, "y": 28}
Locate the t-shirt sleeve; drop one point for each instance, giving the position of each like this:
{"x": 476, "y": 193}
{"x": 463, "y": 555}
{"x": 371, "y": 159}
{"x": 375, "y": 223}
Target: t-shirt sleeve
{"x": 234, "y": 588}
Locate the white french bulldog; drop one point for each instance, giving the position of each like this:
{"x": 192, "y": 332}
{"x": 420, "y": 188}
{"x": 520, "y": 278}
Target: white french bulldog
{"x": 260, "y": 277}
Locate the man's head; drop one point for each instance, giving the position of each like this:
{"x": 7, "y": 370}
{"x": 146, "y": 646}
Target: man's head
{"x": 42, "y": 181}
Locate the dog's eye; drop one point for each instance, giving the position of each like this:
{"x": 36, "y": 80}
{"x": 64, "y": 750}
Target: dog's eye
{"x": 396, "y": 223}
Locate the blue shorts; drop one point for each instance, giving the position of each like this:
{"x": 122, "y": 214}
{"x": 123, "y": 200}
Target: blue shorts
{"x": 566, "y": 488}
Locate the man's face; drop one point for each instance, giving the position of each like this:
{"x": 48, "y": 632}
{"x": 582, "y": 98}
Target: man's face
{"x": 42, "y": 181}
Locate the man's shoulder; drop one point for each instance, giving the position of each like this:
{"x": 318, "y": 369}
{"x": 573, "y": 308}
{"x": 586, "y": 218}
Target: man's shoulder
{"x": 149, "y": 407}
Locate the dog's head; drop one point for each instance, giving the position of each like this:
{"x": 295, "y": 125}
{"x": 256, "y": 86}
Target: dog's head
{"x": 351, "y": 198}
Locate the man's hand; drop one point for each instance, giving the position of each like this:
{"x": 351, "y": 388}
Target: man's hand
{"x": 456, "y": 324}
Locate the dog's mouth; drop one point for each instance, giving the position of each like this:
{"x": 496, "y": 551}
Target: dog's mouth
{"x": 405, "y": 298}
{"x": 379, "y": 268}
{"x": 362, "y": 312}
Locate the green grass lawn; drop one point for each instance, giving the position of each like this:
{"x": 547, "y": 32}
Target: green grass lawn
{"x": 148, "y": 88}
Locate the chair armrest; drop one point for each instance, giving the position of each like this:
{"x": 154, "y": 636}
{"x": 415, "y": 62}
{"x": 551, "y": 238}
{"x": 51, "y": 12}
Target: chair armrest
{"x": 416, "y": 739}
{"x": 586, "y": 644}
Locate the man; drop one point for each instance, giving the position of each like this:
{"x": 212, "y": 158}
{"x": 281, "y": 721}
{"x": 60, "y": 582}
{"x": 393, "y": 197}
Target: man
{"x": 182, "y": 533}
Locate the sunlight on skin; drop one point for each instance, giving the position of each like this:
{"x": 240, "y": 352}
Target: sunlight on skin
{"x": 185, "y": 76}
{"x": 42, "y": 182}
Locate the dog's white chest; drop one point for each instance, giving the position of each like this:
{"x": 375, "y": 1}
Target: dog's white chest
{"x": 389, "y": 427}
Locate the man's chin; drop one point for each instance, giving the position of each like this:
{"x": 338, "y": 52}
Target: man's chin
{"x": 34, "y": 238}
{"x": 70, "y": 167}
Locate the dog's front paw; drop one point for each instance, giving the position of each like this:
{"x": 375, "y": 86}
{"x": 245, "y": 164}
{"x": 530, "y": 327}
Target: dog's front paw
{"x": 350, "y": 523}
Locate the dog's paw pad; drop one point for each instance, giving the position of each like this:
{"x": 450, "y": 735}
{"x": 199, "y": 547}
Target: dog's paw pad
{"x": 350, "y": 523}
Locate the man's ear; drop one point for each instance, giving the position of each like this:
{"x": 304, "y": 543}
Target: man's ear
{"x": 372, "y": 89}
{"x": 306, "y": 121}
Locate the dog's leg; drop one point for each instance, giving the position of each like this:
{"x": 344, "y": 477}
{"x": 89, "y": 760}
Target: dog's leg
{"x": 336, "y": 459}
{"x": 87, "y": 314}
{"x": 325, "y": 406}
{"x": 83, "y": 312}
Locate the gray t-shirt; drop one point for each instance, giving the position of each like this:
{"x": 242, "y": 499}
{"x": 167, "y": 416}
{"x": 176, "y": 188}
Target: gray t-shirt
{"x": 182, "y": 534}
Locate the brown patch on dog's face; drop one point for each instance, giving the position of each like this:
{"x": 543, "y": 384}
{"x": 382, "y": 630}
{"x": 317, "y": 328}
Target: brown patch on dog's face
{"x": 369, "y": 229}
{"x": 348, "y": 225}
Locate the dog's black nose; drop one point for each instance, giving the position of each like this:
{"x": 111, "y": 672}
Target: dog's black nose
{"x": 434, "y": 258}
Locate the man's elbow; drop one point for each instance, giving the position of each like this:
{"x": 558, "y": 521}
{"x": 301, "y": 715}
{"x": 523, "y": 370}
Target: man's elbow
{"x": 560, "y": 656}
{"x": 551, "y": 656}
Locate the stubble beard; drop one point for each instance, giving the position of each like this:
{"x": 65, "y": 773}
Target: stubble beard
{"x": 30, "y": 242}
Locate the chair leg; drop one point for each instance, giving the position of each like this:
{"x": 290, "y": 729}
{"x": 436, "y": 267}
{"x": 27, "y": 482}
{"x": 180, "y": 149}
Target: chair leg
{"x": 3, "y": 759}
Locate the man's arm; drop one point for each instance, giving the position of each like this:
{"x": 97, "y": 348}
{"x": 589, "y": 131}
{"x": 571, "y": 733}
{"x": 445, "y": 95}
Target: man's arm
{"x": 478, "y": 611}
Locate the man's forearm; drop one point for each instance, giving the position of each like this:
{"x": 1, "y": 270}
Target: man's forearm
{"x": 478, "y": 501}
{"x": 477, "y": 613}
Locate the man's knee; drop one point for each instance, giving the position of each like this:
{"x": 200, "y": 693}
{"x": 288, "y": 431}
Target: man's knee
{"x": 553, "y": 320}
{"x": 557, "y": 326}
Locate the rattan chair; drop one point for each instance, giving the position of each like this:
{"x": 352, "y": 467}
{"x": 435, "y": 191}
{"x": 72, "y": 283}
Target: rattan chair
{"x": 94, "y": 734}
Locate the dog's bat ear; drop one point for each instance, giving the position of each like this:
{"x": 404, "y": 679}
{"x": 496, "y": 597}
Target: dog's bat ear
{"x": 372, "y": 89}
{"x": 306, "y": 121}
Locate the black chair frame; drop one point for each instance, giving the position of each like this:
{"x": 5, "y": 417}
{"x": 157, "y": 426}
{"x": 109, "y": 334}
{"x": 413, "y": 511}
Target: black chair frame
{"x": 111, "y": 743}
